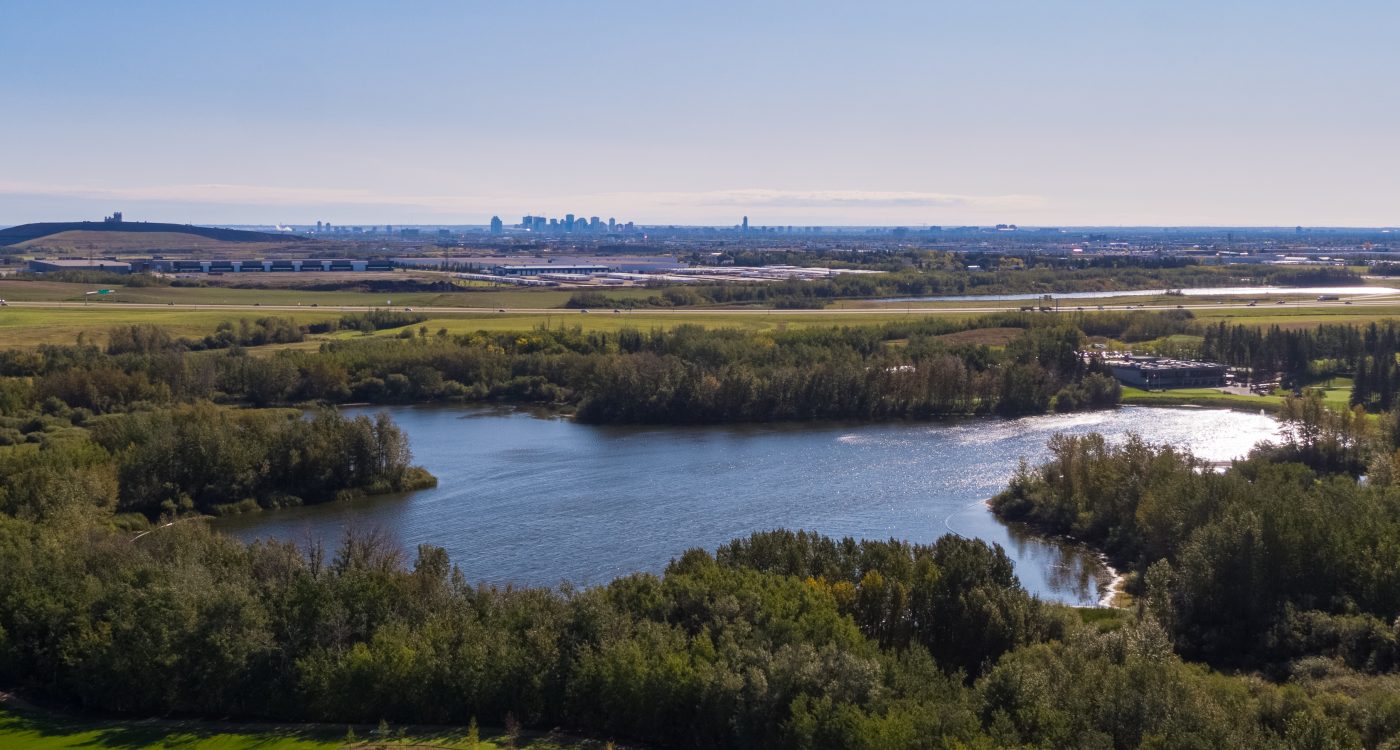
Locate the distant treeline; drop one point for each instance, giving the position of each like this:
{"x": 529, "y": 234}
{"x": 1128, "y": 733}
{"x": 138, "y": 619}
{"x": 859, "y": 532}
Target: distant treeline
{"x": 686, "y": 375}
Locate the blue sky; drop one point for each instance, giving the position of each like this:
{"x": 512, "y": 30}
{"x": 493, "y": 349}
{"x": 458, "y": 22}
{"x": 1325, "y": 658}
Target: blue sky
{"x": 1113, "y": 113}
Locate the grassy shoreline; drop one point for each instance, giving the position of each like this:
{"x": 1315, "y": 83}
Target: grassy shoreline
{"x": 26, "y": 727}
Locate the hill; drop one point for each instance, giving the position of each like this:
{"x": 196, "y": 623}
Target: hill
{"x": 28, "y": 233}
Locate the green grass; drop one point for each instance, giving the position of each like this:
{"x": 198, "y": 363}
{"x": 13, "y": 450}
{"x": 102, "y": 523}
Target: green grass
{"x": 1199, "y": 397}
{"x": 28, "y": 327}
{"x": 54, "y": 291}
{"x": 1336, "y": 392}
{"x": 32, "y": 730}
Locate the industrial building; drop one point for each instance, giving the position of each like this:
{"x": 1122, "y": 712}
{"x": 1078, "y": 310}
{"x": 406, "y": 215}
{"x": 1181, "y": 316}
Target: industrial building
{"x": 579, "y": 270}
{"x": 80, "y": 264}
{"x": 1157, "y": 372}
{"x": 265, "y": 265}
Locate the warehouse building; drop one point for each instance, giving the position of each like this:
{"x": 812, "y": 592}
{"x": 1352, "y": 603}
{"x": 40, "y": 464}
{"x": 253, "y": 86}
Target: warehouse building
{"x": 79, "y": 264}
{"x": 579, "y": 270}
{"x": 1157, "y": 372}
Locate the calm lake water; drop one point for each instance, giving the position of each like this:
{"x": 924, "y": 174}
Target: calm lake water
{"x": 1230, "y": 291}
{"x": 536, "y": 500}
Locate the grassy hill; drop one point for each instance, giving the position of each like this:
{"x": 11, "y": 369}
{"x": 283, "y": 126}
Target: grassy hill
{"x": 152, "y": 234}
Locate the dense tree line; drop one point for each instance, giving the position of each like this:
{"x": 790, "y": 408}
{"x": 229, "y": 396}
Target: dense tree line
{"x": 202, "y": 458}
{"x": 1366, "y": 353}
{"x": 744, "y": 650}
{"x": 1283, "y": 556}
{"x": 1285, "y": 564}
{"x": 689, "y": 374}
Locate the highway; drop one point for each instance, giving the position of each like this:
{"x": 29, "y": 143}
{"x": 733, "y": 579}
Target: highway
{"x": 1387, "y": 300}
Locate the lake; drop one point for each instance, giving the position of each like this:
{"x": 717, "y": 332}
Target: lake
{"x": 1229, "y": 291}
{"x": 535, "y": 500}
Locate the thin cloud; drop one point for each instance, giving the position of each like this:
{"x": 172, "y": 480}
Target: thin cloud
{"x": 645, "y": 206}
{"x": 258, "y": 195}
{"x": 763, "y": 198}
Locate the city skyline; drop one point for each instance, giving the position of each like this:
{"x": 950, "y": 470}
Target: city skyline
{"x": 1080, "y": 113}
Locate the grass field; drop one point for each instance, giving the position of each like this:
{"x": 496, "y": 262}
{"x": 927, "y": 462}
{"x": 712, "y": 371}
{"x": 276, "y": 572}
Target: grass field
{"x": 56, "y": 291}
{"x": 45, "y": 731}
{"x": 27, "y": 327}
{"x": 109, "y": 242}
{"x": 1199, "y": 397}
{"x": 1336, "y": 393}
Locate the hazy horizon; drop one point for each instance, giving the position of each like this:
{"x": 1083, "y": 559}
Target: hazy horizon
{"x": 902, "y": 114}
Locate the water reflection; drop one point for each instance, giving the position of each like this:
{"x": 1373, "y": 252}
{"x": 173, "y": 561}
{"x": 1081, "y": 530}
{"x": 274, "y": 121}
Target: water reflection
{"x": 529, "y": 500}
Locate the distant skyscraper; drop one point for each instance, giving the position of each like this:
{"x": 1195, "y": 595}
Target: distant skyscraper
{"x": 496, "y": 226}
{"x": 746, "y": 225}
{"x": 568, "y": 222}
{"x": 318, "y": 227}
{"x": 612, "y": 224}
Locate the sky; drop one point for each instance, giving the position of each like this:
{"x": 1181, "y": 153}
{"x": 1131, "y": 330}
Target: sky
{"x": 1112, "y": 112}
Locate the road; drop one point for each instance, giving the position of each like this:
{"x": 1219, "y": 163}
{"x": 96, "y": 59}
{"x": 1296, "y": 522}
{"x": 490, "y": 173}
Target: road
{"x": 1386, "y": 300}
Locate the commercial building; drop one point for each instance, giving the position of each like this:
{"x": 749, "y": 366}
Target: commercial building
{"x": 1157, "y": 372}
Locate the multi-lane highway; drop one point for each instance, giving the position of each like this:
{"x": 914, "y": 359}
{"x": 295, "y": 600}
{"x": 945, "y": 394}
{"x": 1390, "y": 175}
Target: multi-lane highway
{"x": 1387, "y": 300}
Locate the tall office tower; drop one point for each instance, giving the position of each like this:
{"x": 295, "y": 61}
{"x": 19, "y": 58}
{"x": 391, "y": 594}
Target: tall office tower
{"x": 318, "y": 227}
{"x": 746, "y": 225}
{"x": 568, "y": 222}
{"x": 612, "y": 224}
{"x": 527, "y": 222}
{"x": 496, "y": 226}
{"x": 595, "y": 223}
